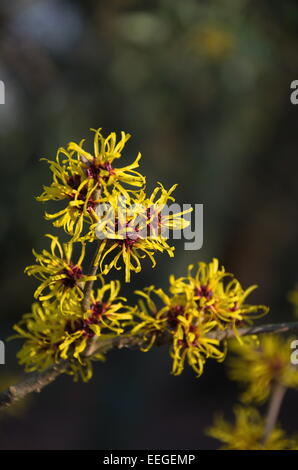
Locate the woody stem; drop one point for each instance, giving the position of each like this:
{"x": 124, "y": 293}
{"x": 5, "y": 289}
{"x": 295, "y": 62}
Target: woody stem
{"x": 277, "y": 395}
{"x": 35, "y": 381}
{"x": 89, "y": 284}
{"x": 92, "y": 270}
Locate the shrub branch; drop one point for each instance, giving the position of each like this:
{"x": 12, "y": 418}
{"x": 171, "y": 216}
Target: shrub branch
{"x": 36, "y": 381}
{"x": 277, "y": 395}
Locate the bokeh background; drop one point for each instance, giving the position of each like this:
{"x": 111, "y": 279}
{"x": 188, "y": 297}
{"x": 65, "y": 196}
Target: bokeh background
{"x": 204, "y": 87}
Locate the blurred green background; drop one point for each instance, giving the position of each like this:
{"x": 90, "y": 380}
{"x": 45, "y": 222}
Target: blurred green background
{"x": 204, "y": 87}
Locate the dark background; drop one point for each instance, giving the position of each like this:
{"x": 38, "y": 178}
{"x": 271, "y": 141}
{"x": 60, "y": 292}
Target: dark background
{"x": 204, "y": 87}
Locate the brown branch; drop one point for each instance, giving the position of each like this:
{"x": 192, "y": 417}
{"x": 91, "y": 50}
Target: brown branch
{"x": 88, "y": 286}
{"x": 92, "y": 270}
{"x": 277, "y": 395}
{"x": 34, "y": 382}
{"x": 38, "y": 380}
{"x": 256, "y": 330}
{"x": 86, "y": 300}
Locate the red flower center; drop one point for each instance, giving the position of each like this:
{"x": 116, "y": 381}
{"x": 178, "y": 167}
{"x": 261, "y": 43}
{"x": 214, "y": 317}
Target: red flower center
{"x": 172, "y": 315}
{"x": 73, "y": 274}
{"x": 94, "y": 171}
{"x": 204, "y": 291}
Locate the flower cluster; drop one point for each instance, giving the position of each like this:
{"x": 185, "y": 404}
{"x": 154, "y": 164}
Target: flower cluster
{"x": 247, "y": 432}
{"x": 103, "y": 203}
{"x": 60, "y": 276}
{"x": 51, "y": 336}
{"x": 110, "y": 203}
{"x": 197, "y": 311}
{"x": 263, "y": 366}
{"x": 106, "y": 206}
{"x": 259, "y": 364}
{"x": 135, "y": 228}
{"x": 78, "y": 314}
{"x": 83, "y": 180}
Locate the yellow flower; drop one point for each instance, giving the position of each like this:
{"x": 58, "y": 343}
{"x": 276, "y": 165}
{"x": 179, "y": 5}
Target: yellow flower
{"x": 130, "y": 252}
{"x": 99, "y": 166}
{"x": 217, "y": 299}
{"x": 107, "y": 310}
{"x": 135, "y": 228}
{"x": 83, "y": 180}
{"x": 260, "y": 364}
{"x": 190, "y": 341}
{"x": 154, "y": 321}
{"x": 192, "y": 315}
{"x": 70, "y": 182}
{"x": 59, "y": 275}
{"x": 247, "y": 432}
{"x": 50, "y": 336}
{"x": 182, "y": 323}
{"x": 157, "y": 216}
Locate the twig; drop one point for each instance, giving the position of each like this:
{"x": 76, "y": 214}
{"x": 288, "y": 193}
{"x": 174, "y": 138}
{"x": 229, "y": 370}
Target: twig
{"x": 34, "y": 382}
{"x": 86, "y": 300}
{"x": 38, "y": 380}
{"x": 256, "y": 330}
{"x": 89, "y": 285}
{"x": 277, "y": 395}
{"x": 93, "y": 269}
